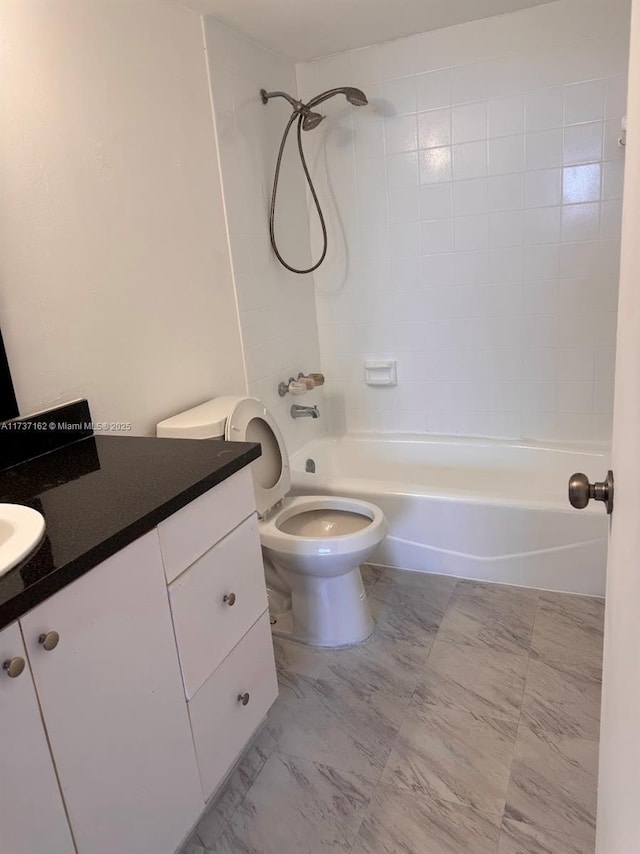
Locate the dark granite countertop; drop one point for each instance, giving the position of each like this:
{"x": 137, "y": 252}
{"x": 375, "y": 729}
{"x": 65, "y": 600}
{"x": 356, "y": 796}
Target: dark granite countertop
{"x": 98, "y": 495}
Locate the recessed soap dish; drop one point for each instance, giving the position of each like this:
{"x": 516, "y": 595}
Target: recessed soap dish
{"x": 381, "y": 373}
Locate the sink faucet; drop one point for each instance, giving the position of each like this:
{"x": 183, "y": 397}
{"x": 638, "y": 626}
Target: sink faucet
{"x": 304, "y": 411}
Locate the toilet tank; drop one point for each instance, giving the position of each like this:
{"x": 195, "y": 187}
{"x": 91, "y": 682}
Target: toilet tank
{"x": 206, "y": 421}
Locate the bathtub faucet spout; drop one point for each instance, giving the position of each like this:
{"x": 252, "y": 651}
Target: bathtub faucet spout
{"x": 304, "y": 411}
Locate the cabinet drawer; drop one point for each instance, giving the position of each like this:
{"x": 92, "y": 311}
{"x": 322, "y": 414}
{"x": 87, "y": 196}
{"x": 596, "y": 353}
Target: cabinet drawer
{"x": 221, "y": 724}
{"x": 190, "y": 532}
{"x": 207, "y": 627}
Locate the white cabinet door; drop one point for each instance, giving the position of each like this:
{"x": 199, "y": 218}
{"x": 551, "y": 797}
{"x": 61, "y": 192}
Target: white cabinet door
{"x": 232, "y": 702}
{"x": 32, "y": 817}
{"x": 113, "y": 705}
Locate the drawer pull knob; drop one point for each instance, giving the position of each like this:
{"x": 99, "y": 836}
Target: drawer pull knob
{"x": 13, "y": 666}
{"x": 49, "y": 640}
{"x": 243, "y": 698}
{"x": 229, "y": 599}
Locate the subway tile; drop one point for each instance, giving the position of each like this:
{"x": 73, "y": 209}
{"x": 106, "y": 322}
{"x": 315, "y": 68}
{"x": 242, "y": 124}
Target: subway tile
{"x": 434, "y": 90}
{"x": 469, "y": 83}
{"x": 437, "y": 236}
{"x": 580, "y": 222}
{"x": 584, "y": 102}
{"x": 611, "y": 219}
{"x": 612, "y": 179}
{"x": 505, "y": 229}
{"x": 543, "y": 149}
{"x": 542, "y": 225}
{"x": 540, "y": 297}
{"x": 469, "y": 160}
{"x": 404, "y": 205}
{"x": 368, "y": 139}
{"x": 538, "y": 365}
{"x": 542, "y": 188}
{"x": 544, "y": 109}
{"x": 405, "y": 239}
{"x": 471, "y": 233}
{"x": 541, "y": 262}
{"x": 506, "y": 264}
{"x": 471, "y": 268}
{"x": 505, "y": 192}
{"x": 470, "y": 197}
{"x": 435, "y": 165}
{"x": 581, "y": 183}
{"x": 615, "y": 97}
{"x": 506, "y": 116}
{"x": 400, "y": 134}
{"x": 402, "y": 170}
{"x": 506, "y": 154}
{"x": 437, "y": 270}
{"x": 436, "y": 200}
{"x": 434, "y": 128}
{"x": 469, "y": 122}
{"x": 401, "y": 95}
{"x": 582, "y": 143}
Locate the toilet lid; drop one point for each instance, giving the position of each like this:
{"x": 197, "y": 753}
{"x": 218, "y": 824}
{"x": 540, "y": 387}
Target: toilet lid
{"x": 250, "y": 421}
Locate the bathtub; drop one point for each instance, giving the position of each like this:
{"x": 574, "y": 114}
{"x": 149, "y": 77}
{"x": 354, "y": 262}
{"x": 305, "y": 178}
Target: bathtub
{"x": 472, "y": 508}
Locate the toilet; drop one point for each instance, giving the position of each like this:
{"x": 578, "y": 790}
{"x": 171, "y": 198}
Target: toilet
{"x": 312, "y": 545}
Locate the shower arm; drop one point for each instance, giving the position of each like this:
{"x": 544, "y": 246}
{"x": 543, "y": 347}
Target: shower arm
{"x": 297, "y": 105}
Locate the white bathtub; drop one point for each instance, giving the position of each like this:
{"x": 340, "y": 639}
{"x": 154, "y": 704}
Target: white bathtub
{"x": 472, "y": 508}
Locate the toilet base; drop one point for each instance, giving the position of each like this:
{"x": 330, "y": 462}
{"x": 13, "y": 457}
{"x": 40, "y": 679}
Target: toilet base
{"x": 325, "y": 612}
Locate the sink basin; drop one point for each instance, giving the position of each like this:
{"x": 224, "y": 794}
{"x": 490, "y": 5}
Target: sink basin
{"x": 21, "y": 530}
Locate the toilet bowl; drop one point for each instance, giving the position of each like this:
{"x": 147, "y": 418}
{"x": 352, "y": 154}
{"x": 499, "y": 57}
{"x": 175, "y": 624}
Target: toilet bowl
{"x": 312, "y": 546}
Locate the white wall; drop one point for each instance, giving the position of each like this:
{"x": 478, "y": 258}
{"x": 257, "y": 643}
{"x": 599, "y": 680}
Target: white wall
{"x": 475, "y": 224}
{"x": 115, "y": 280}
{"x": 277, "y": 308}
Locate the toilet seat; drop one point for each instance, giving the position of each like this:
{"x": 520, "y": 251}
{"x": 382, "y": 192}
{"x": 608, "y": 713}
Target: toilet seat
{"x": 273, "y": 537}
{"x": 250, "y": 421}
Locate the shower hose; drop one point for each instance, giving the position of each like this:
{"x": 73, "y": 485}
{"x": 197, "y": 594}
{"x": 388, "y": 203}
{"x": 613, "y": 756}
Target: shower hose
{"x": 272, "y": 235}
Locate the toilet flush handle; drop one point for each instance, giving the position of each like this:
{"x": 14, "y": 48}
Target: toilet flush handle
{"x": 229, "y": 599}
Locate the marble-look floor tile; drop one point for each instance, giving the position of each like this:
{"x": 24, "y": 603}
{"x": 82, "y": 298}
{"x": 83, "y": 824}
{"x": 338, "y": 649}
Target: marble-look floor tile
{"x": 553, "y": 783}
{"x": 453, "y": 756}
{"x": 298, "y": 807}
{"x": 338, "y": 722}
{"x": 562, "y": 698}
{"x": 383, "y": 661}
{"x": 194, "y": 846}
{"x": 569, "y": 628}
{"x": 401, "y": 822}
{"x": 225, "y": 802}
{"x": 491, "y": 616}
{"x": 410, "y": 611}
{"x": 520, "y": 838}
{"x": 370, "y": 574}
{"x": 472, "y": 679}
{"x": 298, "y": 658}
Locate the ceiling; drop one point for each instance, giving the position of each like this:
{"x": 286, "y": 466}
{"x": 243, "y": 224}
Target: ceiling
{"x": 305, "y": 29}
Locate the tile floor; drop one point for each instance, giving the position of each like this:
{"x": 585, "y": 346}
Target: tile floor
{"x": 466, "y": 724}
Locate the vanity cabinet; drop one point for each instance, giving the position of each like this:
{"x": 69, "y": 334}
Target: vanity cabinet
{"x": 113, "y": 705}
{"x": 140, "y": 684}
{"x": 32, "y": 816}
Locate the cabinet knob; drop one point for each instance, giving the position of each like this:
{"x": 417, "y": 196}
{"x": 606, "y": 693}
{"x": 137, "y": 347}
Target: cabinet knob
{"x": 243, "y": 698}
{"x": 13, "y": 666}
{"x": 49, "y": 640}
{"x": 229, "y": 599}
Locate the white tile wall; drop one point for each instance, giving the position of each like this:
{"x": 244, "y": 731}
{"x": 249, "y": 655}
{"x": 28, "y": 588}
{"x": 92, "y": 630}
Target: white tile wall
{"x": 474, "y": 212}
{"x": 276, "y": 308}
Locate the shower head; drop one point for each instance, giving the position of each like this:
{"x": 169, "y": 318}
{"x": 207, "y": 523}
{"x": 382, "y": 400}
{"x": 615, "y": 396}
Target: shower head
{"x": 311, "y": 120}
{"x": 354, "y": 96}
